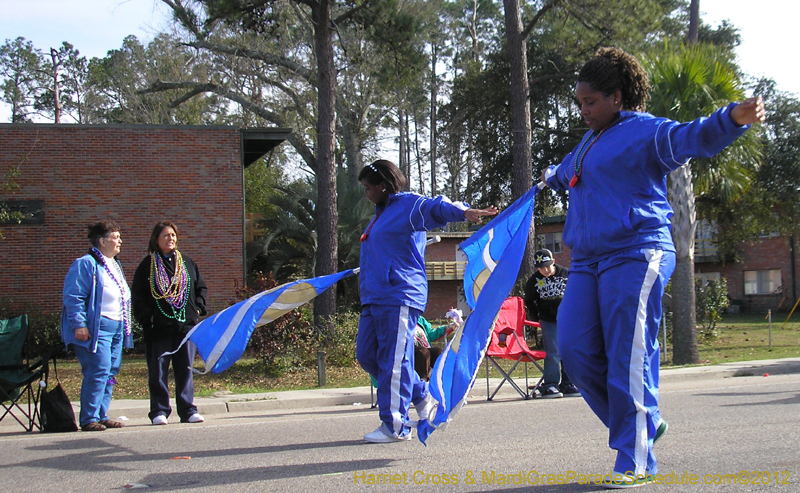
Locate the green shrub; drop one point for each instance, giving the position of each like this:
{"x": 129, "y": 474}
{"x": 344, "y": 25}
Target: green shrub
{"x": 341, "y": 349}
{"x": 291, "y": 342}
{"x": 281, "y": 345}
{"x": 711, "y": 300}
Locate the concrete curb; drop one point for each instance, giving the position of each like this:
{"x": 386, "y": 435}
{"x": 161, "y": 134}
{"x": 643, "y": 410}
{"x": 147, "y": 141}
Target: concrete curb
{"x": 304, "y": 399}
{"x": 360, "y": 396}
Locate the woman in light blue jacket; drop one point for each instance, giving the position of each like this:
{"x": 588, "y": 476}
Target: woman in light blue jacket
{"x": 96, "y": 322}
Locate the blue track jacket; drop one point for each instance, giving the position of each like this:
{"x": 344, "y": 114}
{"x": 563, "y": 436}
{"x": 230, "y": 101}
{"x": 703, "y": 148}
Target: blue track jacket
{"x": 83, "y": 300}
{"x": 393, "y": 255}
{"x": 620, "y": 201}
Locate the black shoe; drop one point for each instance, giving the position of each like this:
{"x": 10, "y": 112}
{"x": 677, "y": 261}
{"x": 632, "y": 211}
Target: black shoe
{"x": 569, "y": 390}
{"x": 550, "y": 392}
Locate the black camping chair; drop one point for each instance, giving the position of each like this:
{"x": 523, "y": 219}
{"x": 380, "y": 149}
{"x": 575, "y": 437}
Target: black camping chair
{"x": 18, "y": 378}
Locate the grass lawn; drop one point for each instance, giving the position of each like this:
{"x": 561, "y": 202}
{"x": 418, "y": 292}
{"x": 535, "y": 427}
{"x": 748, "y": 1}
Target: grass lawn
{"x": 741, "y": 337}
{"x": 745, "y": 337}
{"x": 242, "y": 378}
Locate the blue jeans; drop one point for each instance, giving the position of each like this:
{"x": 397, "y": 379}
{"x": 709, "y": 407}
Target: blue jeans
{"x": 99, "y": 369}
{"x": 554, "y": 373}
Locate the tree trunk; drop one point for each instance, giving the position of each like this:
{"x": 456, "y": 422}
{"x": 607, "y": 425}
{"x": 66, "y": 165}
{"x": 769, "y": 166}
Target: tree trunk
{"x": 56, "y": 95}
{"x": 408, "y": 151}
{"x": 694, "y": 22}
{"x": 401, "y": 128}
{"x": 353, "y": 144}
{"x": 434, "y": 95}
{"x": 417, "y": 155}
{"x": 327, "y": 215}
{"x": 470, "y": 158}
{"x": 684, "y": 335}
{"x": 520, "y": 118}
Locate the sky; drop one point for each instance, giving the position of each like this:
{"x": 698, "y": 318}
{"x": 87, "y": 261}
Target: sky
{"x": 96, "y": 26}
{"x": 93, "y": 26}
{"x": 768, "y": 43}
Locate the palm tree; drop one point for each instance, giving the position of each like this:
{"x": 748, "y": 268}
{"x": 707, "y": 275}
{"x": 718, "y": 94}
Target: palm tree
{"x": 289, "y": 249}
{"x": 688, "y": 83}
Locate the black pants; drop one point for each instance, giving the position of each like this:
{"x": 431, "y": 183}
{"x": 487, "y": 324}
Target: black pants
{"x": 158, "y": 372}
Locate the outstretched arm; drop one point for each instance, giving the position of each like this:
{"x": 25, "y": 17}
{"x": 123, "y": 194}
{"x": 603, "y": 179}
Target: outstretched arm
{"x": 475, "y": 215}
{"x": 749, "y": 111}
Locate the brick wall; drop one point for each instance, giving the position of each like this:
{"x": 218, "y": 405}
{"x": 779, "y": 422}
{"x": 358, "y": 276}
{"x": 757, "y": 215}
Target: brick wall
{"x": 135, "y": 175}
{"x": 442, "y": 295}
{"x": 764, "y": 254}
{"x": 773, "y": 253}
{"x": 565, "y": 256}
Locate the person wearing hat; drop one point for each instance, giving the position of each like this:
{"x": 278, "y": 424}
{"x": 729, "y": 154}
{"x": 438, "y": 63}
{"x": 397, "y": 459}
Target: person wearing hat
{"x": 543, "y": 293}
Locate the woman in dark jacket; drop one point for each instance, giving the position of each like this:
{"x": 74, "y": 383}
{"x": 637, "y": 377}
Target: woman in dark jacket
{"x": 168, "y": 296}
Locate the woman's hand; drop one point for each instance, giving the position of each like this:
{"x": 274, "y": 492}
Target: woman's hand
{"x": 749, "y": 111}
{"x": 475, "y": 215}
{"x": 82, "y": 334}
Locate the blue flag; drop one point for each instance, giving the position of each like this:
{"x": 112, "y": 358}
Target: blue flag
{"x": 222, "y": 338}
{"x": 494, "y": 255}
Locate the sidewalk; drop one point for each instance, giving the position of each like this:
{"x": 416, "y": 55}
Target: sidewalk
{"x": 304, "y": 399}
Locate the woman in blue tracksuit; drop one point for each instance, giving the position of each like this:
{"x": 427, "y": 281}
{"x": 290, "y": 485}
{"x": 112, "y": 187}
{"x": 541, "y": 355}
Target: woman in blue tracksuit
{"x": 96, "y": 322}
{"x": 394, "y": 291}
{"x": 618, "y": 226}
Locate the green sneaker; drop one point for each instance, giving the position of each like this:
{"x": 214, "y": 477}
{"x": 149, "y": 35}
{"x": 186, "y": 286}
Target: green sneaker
{"x": 660, "y": 430}
{"x": 620, "y": 481}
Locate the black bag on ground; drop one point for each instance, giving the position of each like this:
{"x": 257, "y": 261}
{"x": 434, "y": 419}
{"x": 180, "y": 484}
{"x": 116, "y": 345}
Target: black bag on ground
{"x": 55, "y": 409}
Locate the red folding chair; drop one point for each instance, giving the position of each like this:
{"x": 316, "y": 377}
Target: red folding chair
{"x": 508, "y": 342}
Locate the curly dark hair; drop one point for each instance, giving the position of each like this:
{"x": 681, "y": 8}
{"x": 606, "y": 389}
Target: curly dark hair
{"x": 383, "y": 171}
{"x": 612, "y": 69}
{"x": 100, "y": 230}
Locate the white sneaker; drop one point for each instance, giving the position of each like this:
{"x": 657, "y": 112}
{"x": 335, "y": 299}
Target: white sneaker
{"x": 378, "y": 436}
{"x": 195, "y": 418}
{"x": 426, "y": 408}
{"x": 160, "y": 420}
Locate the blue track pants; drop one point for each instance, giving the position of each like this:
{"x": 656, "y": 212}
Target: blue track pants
{"x": 608, "y": 327}
{"x": 385, "y": 349}
{"x": 99, "y": 369}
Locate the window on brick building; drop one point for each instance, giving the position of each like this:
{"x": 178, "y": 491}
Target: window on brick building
{"x": 762, "y": 281}
{"x": 705, "y": 277}
{"x": 21, "y": 212}
{"x": 551, "y": 241}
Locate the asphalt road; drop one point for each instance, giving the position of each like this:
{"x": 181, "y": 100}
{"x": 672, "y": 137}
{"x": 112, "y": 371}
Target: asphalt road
{"x": 721, "y": 430}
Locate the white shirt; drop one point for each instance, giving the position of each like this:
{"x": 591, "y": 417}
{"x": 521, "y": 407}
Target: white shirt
{"x": 113, "y": 297}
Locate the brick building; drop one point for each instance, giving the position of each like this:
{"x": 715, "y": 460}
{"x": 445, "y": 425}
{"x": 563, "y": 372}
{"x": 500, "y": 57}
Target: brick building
{"x": 764, "y": 278}
{"x": 445, "y": 262}
{"x": 136, "y": 175}
{"x": 444, "y": 266}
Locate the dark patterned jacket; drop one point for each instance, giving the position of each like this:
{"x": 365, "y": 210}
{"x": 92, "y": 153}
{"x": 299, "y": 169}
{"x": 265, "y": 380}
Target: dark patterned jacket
{"x": 543, "y": 294}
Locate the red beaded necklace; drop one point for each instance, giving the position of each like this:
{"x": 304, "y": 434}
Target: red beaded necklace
{"x": 369, "y": 228}
{"x": 583, "y": 150}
